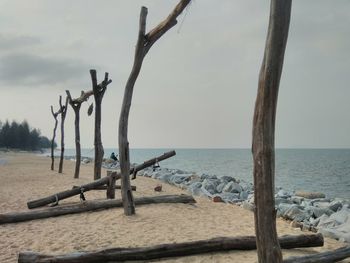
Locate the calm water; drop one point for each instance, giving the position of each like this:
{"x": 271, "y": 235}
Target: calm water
{"x": 324, "y": 170}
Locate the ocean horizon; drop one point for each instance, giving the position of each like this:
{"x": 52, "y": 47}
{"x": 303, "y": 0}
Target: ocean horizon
{"x": 325, "y": 170}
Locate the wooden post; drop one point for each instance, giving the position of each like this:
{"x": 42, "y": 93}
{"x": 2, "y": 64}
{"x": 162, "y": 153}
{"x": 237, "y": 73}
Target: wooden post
{"x": 76, "y": 105}
{"x": 143, "y": 45}
{"x": 54, "y": 114}
{"x": 63, "y": 109}
{"x": 263, "y": 147}
{"x": 110, "y": 193}
{"x": 98, "y": 91}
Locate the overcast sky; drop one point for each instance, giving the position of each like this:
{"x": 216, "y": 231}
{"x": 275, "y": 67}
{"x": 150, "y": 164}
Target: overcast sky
{"x": 198, "y": 83}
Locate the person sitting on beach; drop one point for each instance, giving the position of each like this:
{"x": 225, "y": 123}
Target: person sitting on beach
{"x": 114, "y": 157}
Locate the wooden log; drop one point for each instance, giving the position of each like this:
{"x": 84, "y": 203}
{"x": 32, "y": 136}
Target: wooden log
{"x": 105, "y": 187}
{"x": 63, "y": 109}
{"x": 323, "y": 257}
{"x": 87, "y": 187}
{"x": 263, "y": 146}
{"x": 69, "y": 193}
{"x": 54, "y": 114}
{"x": 89, "y": 206}
{"x": 143, "y": 45}
{"x": 169, "y": 250}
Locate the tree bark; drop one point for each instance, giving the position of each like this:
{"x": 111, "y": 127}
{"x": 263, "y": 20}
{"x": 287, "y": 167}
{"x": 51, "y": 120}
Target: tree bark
{"x": 105, "y": 187}
{"x": 169, "y": 250}
{"x": 63, "y": 109}
{"x": 88, "y": 206}
{"x": 99, "y": 91}
{"x": 264, "y": 133}
{"x": 323, "y": 257}
{"x": 76, "y": 105}
{"x": 91, "y": 186}
{"x": 54, "y": 114}
{"x": 144, "y": 43}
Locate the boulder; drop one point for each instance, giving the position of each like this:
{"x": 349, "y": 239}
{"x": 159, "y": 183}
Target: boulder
{"x": 243, "y": 195}
{"x": 279, "y": 200}
{"x": 217, "y": 199}
{"x": 232, "y": 187}
{"x": 296, "y": 213}
{"x": 220, "y": 187}
{"x": 230, "y": 197}
{"x": 310, "y": 195}
{"x": 195, "y": 188}
{"x": 208, "y": 176}
{"x": 317, "y": 211}
{"x": 210, "y": 185}
{"x": 227, "y": 179}
{"x": 283, "y": 194}
{"x": 248, "y": 206}
{"x": 297, "y": 199}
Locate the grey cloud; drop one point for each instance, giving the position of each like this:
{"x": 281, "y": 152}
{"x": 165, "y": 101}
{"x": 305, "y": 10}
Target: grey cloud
{"x": 19, "y": 69}
{"x": 8, "y": 42}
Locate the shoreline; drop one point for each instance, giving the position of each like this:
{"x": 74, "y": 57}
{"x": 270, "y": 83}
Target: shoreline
{"x": 28, "y": 176}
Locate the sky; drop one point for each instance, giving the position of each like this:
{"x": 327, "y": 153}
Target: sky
{"x": 198, "y": 83}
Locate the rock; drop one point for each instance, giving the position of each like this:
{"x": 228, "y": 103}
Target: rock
{"x": 295, "y": 213}
{"x": 217, "y": 199}
{"x": 85, "y": 161}
{"x": 220, "y": 187}
{"x": 248, "y": 206}
{"x": 296, "y": 224}
{"x": 248, "y": 187}
{"x": 165, "y": 177}
{"x": 279, "y": 200}
{"x": 195, "y": 188}
{"x": 158, "y": 188}
{"x": 179, "y": 178}
{"x": 283, "y": 194}
{"x": 232, "y": 187}
{"x": 282, "y": 208}
{"x": 310, "y": 195}
{"x": 230, "y": 197}
{"x": 317, "y": 211}
{"x": 297, "y": 199}
{"x": 227, "y": 179}
{"x": 243, "y": 195}
{"x": 335, "y": 205}
{"x": 210, "y": 185}
{"x": 208, "y": 176}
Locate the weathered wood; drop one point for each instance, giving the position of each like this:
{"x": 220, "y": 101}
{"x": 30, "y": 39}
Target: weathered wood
{"x": 76, "y": 105}
{"x": 54, "y": 114}
{"x": 88, "y": 206}
{"x": 91, "y": 186}
{"x": 63, "y": 109}
{"x": 143, "y": 45}
{"x": 110, "y": 193}
{"x": 105, "y": 187}
{"x": 98, "y": 90}
{"x": 323, "y": 257}
{"x": 263, "y": 147}
{"x": 169, "y": 250}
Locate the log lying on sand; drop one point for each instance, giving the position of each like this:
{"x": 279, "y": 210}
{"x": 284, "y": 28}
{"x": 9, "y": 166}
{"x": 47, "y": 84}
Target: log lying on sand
{"x": 104, "y": 187}
{"x": 87, "y": 187}
{"x": 324, "y": 257}
{"x": 170, "y": 250}
{"x": 89, "y": 206}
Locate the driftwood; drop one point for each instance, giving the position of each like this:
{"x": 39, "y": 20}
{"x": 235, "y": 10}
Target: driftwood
{"x": 63, "y": 109}
{"x": 54, "y": 114}
{"x": 170, "y": 250}
{"x": 105, "y": 187}
{"x": 323, "y": 257}
{"x": 87, "y": 187}
{"x": 263, "y": 147}
{"x": 143, "y": 45}
{"x": 76, "y": 105}
{"x": 98, "y": 90}
{"x": 88, "y": 206}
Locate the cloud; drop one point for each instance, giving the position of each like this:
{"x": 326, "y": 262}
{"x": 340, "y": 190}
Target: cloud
{"x": 20, "y": 69}
{"x": 10, "y": 42}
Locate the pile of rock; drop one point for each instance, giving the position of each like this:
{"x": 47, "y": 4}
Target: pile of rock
{"x": 307, "y": 210}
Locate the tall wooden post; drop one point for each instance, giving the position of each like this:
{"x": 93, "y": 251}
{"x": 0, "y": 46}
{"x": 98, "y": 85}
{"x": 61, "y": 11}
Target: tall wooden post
{"x": 143, "y": 45}
{"x": 54, "y": 114}
{"x": 98, "y": 91}
{"x": 63, "y": 109}
{"x": 264, "y": 133}
{"x": 76, "y": 105}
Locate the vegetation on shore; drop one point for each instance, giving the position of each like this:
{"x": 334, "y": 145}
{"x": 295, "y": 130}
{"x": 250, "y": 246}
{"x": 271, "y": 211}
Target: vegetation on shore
{"x": 21, "y": 136}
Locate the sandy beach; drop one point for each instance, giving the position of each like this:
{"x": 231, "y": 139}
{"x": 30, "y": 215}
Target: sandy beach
{"x": 26, "y": 176}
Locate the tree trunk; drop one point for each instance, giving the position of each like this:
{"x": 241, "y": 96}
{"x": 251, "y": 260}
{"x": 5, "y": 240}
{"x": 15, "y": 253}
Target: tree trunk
{"x": 105, "y": 187}
{"x": 99, "y": 91}
{"x": 88, "y": 206}
{"x": 144, "y": 43}
{"x": 76, "y": 105}
{"x": 169, "y": 250}
{"x": 63, "y": 117}
{"x": 91, "y": 186}
{"x": 53, "y": 139}
{"x": 264, "y": 133}
{"x": 323, "y": 257}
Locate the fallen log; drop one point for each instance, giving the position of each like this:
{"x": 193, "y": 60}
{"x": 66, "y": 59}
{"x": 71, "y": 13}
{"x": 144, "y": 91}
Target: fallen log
{"x": 89, "y": 206}
{"x": 323, "y": 257}
{"x": 170, "y": 250}
{"x": 87, "y": 187}
{"x": 104, "y": 187}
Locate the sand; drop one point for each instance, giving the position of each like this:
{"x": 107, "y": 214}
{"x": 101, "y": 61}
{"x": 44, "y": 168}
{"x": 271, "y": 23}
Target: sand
{"x": 25, "y": 177}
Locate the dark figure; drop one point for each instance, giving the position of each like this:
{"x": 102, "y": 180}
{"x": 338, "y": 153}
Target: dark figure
{"x": 114, "y": 157}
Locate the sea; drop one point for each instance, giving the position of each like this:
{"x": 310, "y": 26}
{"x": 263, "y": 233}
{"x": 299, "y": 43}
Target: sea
{"x": 321, "y": 170}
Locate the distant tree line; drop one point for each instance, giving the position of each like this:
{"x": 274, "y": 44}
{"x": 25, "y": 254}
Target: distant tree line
{"x": 22, "y": 136}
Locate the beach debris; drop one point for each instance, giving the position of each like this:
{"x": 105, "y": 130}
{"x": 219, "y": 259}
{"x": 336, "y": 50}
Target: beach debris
{"x": 172, "y": 249}
{"x": 158, "y": 188}
{"x": 310, "y": 195}
{"x": 217, "y": 199}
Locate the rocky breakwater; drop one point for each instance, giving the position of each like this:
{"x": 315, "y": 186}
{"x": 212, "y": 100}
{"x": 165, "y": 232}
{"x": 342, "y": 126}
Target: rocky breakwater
{"x": 307, "y": 210}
